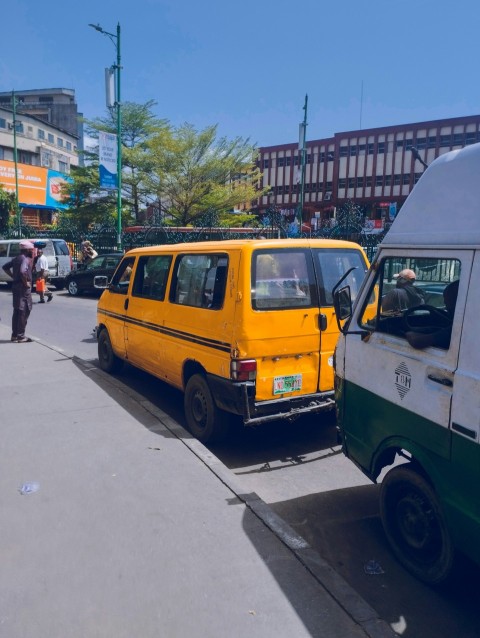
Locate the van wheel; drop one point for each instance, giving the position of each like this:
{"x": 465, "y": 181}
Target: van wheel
{"x": 109, "y": 362}
{"x": 415, "y": 526}
{"x": 205, "y": 421}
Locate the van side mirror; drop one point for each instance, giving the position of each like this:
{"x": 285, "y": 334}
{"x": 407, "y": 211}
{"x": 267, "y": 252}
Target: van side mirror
{"x": 100, "y": 282}
{"x": 342, "y": 302}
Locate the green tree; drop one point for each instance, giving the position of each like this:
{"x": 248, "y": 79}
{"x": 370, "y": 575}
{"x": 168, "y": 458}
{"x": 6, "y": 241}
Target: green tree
{"x": 196, "y": 172}
{"x": 349, "y": 219}
{"x": 7, "y": 205}
{"x": 139, "y": 124}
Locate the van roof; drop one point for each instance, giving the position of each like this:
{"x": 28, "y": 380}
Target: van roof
{"x": 444, "y": 207}
{"x": 252, "y": 243}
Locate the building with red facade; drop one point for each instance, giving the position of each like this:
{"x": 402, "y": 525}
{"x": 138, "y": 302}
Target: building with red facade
{"x": 374, "y": 168}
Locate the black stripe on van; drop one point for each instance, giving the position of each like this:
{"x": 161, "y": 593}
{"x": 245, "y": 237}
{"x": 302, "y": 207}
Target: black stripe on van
{"x": 178, "y": 334}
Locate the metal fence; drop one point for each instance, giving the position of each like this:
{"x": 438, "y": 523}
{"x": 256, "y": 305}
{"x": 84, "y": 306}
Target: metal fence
{"x": 104, "y": 238}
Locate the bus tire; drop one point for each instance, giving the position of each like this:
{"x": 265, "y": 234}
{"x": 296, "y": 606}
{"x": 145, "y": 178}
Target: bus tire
{"x": 109, "y": 362}
{"x": 204, "y": 420}
{"x": 415, "y": 525}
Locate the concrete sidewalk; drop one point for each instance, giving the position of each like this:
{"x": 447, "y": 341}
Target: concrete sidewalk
{"x": 136, "y": 529}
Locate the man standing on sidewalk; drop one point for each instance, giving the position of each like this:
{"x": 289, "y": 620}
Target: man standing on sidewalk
{"x": 41, "y": 268}
{"x": 20, "y": 270}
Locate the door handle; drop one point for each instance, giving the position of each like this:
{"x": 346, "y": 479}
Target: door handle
{"x": 125, "y": 305}
{"x": 322, "y": 322}
{"x": 441, "y": 380}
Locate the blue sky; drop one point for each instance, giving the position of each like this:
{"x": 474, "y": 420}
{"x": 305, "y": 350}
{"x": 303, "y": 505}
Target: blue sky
{"x": 247, "y": 66}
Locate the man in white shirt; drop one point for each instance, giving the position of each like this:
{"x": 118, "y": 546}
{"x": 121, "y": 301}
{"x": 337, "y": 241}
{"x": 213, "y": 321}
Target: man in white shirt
{"x": 41, "y": 267}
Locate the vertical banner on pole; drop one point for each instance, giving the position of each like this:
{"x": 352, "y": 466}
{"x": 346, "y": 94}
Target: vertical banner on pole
{"x": 107, "y": 158}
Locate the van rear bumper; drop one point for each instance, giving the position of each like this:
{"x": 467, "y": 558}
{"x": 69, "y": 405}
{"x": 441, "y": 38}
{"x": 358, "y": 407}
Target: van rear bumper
{"x": 239, "y": 398}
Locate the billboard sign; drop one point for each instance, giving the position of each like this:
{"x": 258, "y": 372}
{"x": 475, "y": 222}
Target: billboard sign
{"x": 107, "y": 158}
{"x": 37, "y": 186}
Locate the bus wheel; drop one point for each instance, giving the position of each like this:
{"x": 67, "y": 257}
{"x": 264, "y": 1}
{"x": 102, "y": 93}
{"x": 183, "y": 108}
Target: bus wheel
{"x": 109, "y": 362}
{"x": 415, "y": 526}
{"x": 205, "y": 421}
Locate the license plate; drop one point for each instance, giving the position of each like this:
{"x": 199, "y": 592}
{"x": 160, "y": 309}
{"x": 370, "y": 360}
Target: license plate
{"x": 292, "y": 383}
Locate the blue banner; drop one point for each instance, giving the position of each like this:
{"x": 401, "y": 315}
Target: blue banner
{"x": 107, "y": 158}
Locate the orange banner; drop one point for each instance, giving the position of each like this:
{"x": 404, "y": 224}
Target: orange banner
{"x": 32, "y": 182}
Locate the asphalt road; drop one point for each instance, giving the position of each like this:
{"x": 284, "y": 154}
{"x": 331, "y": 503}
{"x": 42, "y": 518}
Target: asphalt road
{"x": 298, "y": 469}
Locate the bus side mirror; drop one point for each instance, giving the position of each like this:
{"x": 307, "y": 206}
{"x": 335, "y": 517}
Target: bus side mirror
{"x": 100, "y": 282}
{"x": 342, "y": 302}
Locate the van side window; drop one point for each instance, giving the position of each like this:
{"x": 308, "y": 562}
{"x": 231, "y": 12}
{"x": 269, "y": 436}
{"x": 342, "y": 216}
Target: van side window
{"x": 61, "y": 248}
{"x": 14, "y": 249}
{"x": 151, "y": 277}
{"x": 3, "y": 250}
{"x": 332, "y": 264}
{"x": 200, "y": 281}
{"x": 121, "y": 277}
{"x": 416, "y": 300}
{"x": 281, "y": 279}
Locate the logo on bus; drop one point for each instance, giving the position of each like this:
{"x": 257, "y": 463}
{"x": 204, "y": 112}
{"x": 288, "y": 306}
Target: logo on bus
{"x": 403, "y": 379}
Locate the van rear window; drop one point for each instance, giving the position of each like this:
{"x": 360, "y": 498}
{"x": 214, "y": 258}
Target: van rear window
{"x": 281, "y": 279}
{"x": 331, "y": 264}
{"x": 61, "y": 248}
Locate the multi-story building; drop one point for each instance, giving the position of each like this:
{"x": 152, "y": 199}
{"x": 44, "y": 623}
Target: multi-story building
{"x": 45, "y": 154}
{"x": 55, "y": 106}
{"x": 375, "y": 168}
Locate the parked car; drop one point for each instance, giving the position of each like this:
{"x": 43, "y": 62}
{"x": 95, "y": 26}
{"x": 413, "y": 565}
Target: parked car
{"x": 55, "y": 250}
{"x": 81, "y": 280}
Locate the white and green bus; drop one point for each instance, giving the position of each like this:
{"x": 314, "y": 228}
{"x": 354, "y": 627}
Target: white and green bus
{"x": 408, "y": 376}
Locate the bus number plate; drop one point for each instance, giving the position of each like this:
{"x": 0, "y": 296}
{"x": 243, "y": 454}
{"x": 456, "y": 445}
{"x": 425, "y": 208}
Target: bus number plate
{"x": 282, "y": 385}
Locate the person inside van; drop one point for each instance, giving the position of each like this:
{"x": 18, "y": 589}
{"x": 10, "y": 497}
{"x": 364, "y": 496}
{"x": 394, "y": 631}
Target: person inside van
{"x": 405, "y": 294}
{"x": 439, "y": 337}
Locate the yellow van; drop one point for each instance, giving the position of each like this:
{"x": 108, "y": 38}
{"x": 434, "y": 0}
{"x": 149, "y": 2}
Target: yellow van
{"x": 241, "y": 326}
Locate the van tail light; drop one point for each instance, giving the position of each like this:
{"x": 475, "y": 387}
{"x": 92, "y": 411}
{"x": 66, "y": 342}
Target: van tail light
{"x": 243, "y": 370}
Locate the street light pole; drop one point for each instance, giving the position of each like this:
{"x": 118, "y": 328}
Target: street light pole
{"x": 303, "y": 152}
{"x": 115, "y": 38}
{"x": 15, "y": 160}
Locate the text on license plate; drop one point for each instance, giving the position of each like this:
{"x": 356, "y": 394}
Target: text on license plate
{"x": 287, "y": 384}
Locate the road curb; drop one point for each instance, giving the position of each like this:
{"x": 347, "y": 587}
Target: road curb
{"x": 350, "y": 601}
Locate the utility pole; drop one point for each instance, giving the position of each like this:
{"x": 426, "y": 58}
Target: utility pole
{"x": 115, "y": 39}
{"x": 18, "y": 215}
{"x": 302, "y": 146}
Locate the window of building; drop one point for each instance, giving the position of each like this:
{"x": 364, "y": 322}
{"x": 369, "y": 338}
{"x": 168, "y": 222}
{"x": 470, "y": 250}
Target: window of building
{"x": 51, "y": 138}
{"x": 470, "y": 138}
{"x": 362, "y": 149}
{"x": 328, "y": 186}
{"x": 370, "y": 148}
{"x": 388, "y": 180}
{"x": 199, "y": 281}
{"x": 280, "y": 161}
{"x": 68, "y": 146}
{"x": 368, "y": 181}
{"x": 151, "y": 277}
{"x": 3, "y": 123}
{"x": 408, "y": 143}
{"x": 399, "y": 145}
{"x": 45, "y": 99}
{"x": 286, "y": 189}
{"x": 41, "y": 134}
{"x": 432, "y": 141}
{"x": 343, "y": 151}
{"x": 330, "y": 156}
{"x": 62, "y": 166}
{"x": 417, "y": 177}
{"x": 288, "y": 161}
{"x": 353, "y": 151}
{"x": 378, "y": 180}
{"x": 360, "y": 182}
{"x": 445, "y": 140}
{"x": 406, "y": 179}
{"x": 381, "y": 147}
{"x": 308, "y": 159}
{"x": 397, "y": 180}
{"x": 342, "y": 182}
{"x": 458, "y": 139}
{"x": 421, "y": 143}
{"x": 59, "y": 141}
{"x": 351, "y": 182}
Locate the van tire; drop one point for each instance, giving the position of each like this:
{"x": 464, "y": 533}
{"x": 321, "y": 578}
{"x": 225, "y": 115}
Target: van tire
{"x": 109, "y": 362}
{"x": 415, "y": 525}
{"x": 204, "y": 420}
